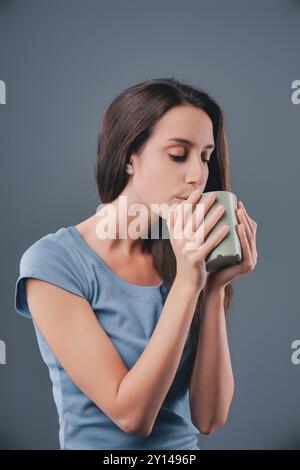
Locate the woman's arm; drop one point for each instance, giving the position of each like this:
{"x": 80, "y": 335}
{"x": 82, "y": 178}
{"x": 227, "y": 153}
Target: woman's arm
{"x": 146, "y": 385}
{"x": 131, "y": 398}
{"x": 212, "y": 383}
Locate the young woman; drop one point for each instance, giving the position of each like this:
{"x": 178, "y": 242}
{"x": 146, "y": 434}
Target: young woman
{"x": 133, "y": 329}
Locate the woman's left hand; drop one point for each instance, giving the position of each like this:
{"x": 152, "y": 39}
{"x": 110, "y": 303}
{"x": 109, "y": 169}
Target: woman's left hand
{"x": 247, "y": 235}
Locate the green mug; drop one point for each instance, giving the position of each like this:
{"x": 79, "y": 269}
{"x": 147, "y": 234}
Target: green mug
{"x": 228, "y": 252}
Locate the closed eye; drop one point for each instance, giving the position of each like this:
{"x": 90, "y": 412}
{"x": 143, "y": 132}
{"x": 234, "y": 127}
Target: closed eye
{"x": 182, "y": 158}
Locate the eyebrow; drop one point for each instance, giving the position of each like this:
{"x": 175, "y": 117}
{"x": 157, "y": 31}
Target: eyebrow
{"x": 188, "y": 142}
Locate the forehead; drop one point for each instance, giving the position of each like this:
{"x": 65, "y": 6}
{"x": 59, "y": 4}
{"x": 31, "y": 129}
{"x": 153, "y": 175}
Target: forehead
{"x": 187, "y": 122}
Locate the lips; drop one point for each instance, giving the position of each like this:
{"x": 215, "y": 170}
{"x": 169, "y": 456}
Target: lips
{"x": 184, "y": 197}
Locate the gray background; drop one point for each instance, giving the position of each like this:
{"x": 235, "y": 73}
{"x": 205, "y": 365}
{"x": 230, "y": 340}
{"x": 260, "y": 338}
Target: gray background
{"x": 63, "y": 62}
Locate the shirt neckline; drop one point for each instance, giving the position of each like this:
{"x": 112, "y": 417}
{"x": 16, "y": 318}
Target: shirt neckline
{"x": 134, "y": 288}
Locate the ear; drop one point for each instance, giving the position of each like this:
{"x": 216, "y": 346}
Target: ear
{"x": 129, "y": 167}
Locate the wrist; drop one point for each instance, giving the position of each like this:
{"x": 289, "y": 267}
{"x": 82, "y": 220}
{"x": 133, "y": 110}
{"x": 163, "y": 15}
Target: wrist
{"x": 186, "y": 287}
{"x": 215, "y": 292}
{"x": 211, "y": 286}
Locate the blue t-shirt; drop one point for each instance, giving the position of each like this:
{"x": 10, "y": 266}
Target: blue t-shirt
{"x": 128, "y": 313}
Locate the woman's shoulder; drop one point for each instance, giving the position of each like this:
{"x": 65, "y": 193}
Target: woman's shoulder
{"x": 53, "y": 246}
{"x": 53, "y": 259}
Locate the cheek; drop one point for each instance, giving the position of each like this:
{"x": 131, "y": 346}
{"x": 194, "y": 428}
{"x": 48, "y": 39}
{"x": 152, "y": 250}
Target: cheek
{"x": 158, "y": 179}
{"x": 146, "y": 182}
{"x": 152, "y": 172}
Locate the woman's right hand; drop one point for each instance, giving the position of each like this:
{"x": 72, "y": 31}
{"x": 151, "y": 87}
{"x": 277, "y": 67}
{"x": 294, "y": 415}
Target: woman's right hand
{"x": 191, "y": 249}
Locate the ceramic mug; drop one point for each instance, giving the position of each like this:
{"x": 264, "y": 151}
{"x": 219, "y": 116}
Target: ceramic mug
{"x": 229, "y": 251}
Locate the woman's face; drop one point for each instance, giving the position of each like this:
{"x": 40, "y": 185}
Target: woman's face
{"x": 160, "y": 177}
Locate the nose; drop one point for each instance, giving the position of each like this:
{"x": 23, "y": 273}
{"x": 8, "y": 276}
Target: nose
{"x": 196, "y": 173}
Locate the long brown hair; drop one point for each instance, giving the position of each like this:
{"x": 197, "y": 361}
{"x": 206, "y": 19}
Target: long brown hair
{"x": 125, "y": 127}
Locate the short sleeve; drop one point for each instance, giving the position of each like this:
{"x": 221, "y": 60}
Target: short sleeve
{"x": 49, "y": 259}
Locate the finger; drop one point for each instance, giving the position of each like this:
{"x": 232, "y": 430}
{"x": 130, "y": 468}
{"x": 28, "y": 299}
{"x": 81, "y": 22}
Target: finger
{"x": 247, "y": 257}
{"x": 192, "y": 211}
{"x": 195, "y": 220}
{"x": 177, "y": 227}
{"x": 242, "y": 219}
{"x": 171, "y": 217}
{"x": 201, "y": 209}
{"x": 210, "y": 244}
{"x": 253, "y": 225}
{"x": 170, "y": 222}
{"x": 207, "y": 200}
{"x": 252, "y": 222}
{"x": 185, "y": 208}
{"x": 210, "y": 223}
{"x": 250, "y": 235}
